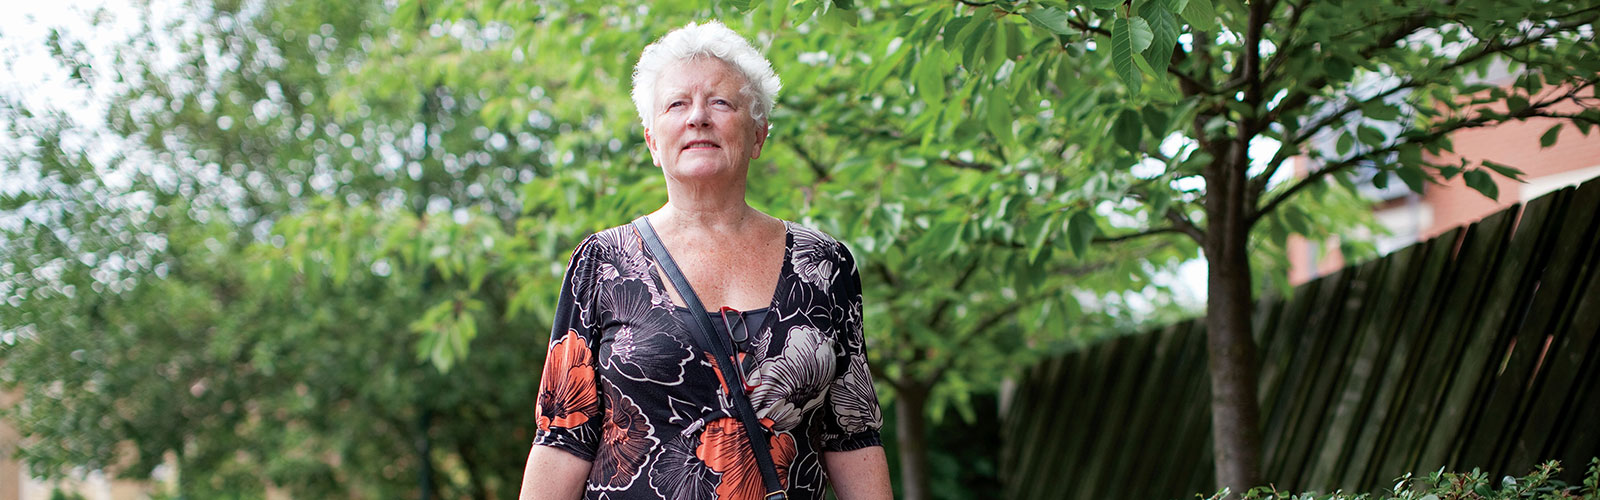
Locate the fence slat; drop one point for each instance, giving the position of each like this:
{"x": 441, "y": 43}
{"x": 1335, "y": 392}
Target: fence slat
{"x": 1473, "y": 309}
{"x": 1506, "y": 376}
{"x": 1338, "y": 403}
{"x": 1557, "y": 376}
{"x": 1411, "y": 347}
{"x": 1579, "y": 438}
{"x": 1318, "y": 339}
{"x": 1402, "y": 276}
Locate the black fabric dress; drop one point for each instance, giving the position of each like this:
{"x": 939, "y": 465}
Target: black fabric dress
{"x": 626, "y": 386}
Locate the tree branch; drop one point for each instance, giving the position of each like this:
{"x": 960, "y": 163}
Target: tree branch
{"x": 944, "y": 305}
{"x": 979, "y": 166}
{"x": 1132, "y": 236}
{"x": 1077, "y": 22}
{"x": 1414, "y": 22}
{"x": 1285, "y": 48}
{"x": 1533, "y": 110}
{"x": 1182, "y": 224}
{"x": 995, "y": 318}
{"x": 1291, "y": 146}
{"x": 816, "y": 167}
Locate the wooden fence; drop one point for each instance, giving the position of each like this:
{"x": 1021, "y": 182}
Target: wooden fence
{"x": 1475, "y": 349}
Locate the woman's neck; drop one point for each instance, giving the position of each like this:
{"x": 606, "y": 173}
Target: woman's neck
{"x": 703, "y": 215}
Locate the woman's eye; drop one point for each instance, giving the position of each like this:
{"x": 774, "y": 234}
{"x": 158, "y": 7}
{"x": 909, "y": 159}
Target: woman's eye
{"x": 722, "y": 102}
{"x": 675, "y": 104}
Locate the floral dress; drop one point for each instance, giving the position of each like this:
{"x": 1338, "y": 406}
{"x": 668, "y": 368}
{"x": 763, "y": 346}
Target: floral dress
{"x": 626, "y": 386}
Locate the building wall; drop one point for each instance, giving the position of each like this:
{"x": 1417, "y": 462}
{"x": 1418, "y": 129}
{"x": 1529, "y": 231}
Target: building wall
{"x": 1574, "y": 158}
{"x": 1515, "y": 144}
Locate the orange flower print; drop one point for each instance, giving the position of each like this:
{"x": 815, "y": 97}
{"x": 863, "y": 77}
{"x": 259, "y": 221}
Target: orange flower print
{"x": 724, "y": 448}
{"x": 567, "y": 395}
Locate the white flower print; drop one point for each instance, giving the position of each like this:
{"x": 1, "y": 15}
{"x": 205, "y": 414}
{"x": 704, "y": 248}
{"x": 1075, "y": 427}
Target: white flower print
{"x": 815, "y": 258}
{"x": 680, "y": 475}
{"x": 796, "y": 381}
{"x": 854, "y": 402}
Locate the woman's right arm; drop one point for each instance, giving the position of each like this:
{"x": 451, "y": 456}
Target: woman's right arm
{"x": 553, "y": 474}
{"x": 568, "y": 404}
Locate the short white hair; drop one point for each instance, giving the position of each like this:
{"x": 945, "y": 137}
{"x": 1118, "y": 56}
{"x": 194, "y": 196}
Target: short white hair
{"x": 711, "y": 39}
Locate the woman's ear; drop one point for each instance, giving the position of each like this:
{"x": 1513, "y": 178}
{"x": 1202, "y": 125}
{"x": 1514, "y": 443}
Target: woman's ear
{"x": 761, "y": 139}
{"x": 650, "y": 143}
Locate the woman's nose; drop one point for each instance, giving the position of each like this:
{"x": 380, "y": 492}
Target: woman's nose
{"x": 698, "y": 116}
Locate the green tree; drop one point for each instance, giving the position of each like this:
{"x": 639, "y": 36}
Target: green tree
{"x": 151, "y": 312}
{"x": 1007, "y": 137}
{"x": 1085, "y": 93}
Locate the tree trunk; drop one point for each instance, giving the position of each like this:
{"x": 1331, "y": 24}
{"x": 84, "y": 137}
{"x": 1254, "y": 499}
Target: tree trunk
{"x": 911, "y": 400}
{"x": 1235, "y": 412}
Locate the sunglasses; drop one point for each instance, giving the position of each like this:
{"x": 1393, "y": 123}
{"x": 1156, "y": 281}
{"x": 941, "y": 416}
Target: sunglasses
{"x": 739, "y": 329}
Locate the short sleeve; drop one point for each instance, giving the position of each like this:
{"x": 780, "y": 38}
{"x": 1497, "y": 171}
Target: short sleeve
{"x": 852, "y": 418}
{"x": 568, "y": 406}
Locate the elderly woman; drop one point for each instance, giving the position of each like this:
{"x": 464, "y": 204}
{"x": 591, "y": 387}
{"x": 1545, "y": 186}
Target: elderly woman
{"x": 634, "y": 403}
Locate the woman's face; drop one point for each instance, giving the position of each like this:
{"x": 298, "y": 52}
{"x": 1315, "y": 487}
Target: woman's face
{"x": 702, "y": 126}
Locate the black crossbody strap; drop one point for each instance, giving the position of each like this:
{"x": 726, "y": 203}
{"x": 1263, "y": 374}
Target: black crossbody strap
{"x": 705, "y": 333}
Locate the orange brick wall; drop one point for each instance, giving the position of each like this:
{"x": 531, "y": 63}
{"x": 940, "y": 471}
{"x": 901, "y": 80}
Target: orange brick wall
{"x": 1452, "y": 203}
{"x": 1515, "y": 144}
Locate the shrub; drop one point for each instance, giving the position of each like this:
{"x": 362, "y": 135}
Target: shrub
{"x": 1442, "y": 485}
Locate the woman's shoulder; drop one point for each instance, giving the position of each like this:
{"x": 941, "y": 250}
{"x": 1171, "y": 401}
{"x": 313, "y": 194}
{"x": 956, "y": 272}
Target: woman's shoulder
{"x": 610, "y": 239}
{"x": 815, "y": 242}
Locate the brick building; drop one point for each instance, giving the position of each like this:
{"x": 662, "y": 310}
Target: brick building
{"x": 1410, "y": 217}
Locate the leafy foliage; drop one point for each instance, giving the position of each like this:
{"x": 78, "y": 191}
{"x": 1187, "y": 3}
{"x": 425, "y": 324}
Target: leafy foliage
{"x": 1442, "y": 485}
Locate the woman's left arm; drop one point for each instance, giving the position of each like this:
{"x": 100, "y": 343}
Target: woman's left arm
{"x": 861, "y": 474}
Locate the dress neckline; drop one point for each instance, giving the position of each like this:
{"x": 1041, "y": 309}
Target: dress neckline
{"x": 785, "y": 268}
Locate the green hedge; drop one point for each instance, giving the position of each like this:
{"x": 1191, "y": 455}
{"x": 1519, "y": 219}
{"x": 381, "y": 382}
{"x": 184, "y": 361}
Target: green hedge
{"x": 1474, "y": 485}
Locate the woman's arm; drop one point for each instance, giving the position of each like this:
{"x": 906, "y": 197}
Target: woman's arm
{"x": 859, "y": 474}
{"x": 552, "y": 474}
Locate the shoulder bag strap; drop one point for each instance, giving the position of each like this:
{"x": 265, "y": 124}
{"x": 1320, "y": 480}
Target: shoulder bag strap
{"x": 705, "y": 333}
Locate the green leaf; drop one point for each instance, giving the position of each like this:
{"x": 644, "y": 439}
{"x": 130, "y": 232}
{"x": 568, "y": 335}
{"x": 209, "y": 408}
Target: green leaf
{"x": 977, "y": 34}
{"x": 1159, "y": 201}
{"x": 998, "y": 115}
{"x": 1346, "y": 141}
{"x": 1124, "y": 44}
{"x": 1379, "y": 110}
{"x": 930, "y": 75}
{"x": 1127, "y": 130}
{"x": 1504, "y": 170}
{"x": 1154, "y": 120}
{"x": 1412, "y": 175}
{"x": 1200, "y": 15}
{"x": 1549, "y": 137}
{"x": 952, "y": 29}
{"x": 1370, "y": 136}
{"x": 1080, "y": 231}
{"x": 1164, "y": 36}
{"x": 1296, "y": 219}
{"x": 1481, "y": 182}
{"x": 1052, "y": 19}
{"x": 1338, "y": 69}
{"x": 1041, "y": 235}
{"x": 1105, "y": 4}
{"x": 1410, "y": 154}
{"x": 1140, "y": 32}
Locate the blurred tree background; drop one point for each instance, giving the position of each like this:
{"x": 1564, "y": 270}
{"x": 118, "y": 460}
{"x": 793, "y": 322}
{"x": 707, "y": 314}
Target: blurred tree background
{"x": 320, "y": 250}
